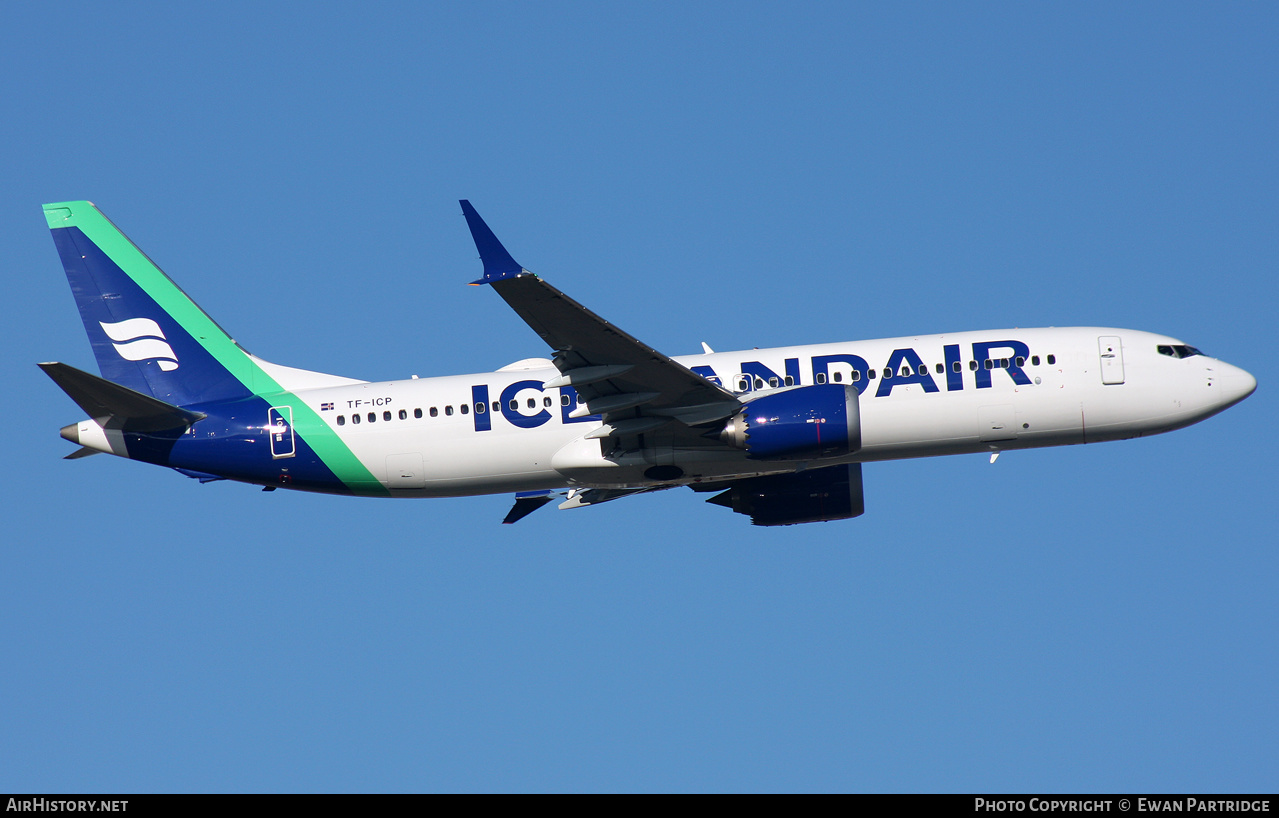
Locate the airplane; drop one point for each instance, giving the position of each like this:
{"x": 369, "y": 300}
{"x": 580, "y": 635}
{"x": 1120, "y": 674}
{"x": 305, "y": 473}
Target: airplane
{"x": 779, "y": 435}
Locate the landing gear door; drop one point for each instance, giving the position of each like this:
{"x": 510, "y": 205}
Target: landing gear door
{"x": 1112, "y": 359}
{"x": 280, "y": 428}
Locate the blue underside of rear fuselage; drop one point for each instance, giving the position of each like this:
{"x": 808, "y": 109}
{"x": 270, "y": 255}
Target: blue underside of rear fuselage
{"x": 234, "y": 441}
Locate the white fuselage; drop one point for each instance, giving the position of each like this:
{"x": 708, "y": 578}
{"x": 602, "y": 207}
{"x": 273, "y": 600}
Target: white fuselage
{"x": 428, "y": 437}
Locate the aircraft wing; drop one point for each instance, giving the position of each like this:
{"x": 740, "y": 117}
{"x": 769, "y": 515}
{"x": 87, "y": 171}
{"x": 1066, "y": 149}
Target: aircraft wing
{"x": 634, "y": 387}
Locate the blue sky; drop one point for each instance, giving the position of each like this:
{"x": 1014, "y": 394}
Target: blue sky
{"x": 1088, "y": 618}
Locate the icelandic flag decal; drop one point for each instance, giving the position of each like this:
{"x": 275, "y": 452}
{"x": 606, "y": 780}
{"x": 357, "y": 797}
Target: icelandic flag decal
{"x": 324, "y": 407}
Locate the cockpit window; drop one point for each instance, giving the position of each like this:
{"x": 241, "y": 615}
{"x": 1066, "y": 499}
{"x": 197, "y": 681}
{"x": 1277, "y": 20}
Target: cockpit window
{"x": 1177, "y": 350}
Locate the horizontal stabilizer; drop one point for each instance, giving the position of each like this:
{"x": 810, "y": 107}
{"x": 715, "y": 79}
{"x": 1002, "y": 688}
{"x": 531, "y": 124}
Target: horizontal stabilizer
{"x": 83, "y": 451}
{"x": 526, "y": 502}
{"x": 102, "y": 399}
{"x": 203, "y": 477}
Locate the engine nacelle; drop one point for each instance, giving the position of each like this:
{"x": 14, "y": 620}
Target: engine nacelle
{"x": 800, "y": 423}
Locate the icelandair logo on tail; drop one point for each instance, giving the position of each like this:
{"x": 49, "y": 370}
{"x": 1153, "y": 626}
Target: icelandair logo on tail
{"x": 141, "y": 339}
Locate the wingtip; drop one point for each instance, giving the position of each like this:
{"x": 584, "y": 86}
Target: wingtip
{"x": 498, "y": 263}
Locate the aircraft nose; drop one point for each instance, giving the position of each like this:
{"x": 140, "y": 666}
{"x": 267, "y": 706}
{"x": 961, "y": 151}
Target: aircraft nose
{"x": 1236, "y": 384}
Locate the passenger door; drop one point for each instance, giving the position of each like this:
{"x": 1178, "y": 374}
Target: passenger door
{"x": 1112, "y": 359}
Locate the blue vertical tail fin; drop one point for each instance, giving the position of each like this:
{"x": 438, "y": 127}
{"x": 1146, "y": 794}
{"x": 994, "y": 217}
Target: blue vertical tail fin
{"x": 146, "y": 333}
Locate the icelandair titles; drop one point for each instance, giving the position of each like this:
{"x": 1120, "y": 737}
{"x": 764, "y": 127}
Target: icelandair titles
{"x": 905, "y": 367}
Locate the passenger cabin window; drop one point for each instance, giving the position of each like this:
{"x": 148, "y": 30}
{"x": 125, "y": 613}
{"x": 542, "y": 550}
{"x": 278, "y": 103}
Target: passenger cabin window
{"x": 870, "y": 374}
{"x": 774, "y": 382}
{"x": 479, "y": 407}
{"x": 546, "y": 401}
{"x": 497, "y": 406}
{"x": 386, "y": 415}
{"x": 821, "y": 377}
{"x": 404, "y": 414}
{"x": 465, "y": 408}
{"x": 857, "y": 376}
{"x": 1034, "y": 360}
{"x": 888, "y": 373}
{"x": 563, "y": 400}
{"x": 341, "y": 420}
{"x": 838, "y": 377}
{"x": 790, "y": 380}
{"x": 417, "y": 413}
{"x": 956, "y": 367}
{"x": 372, "y": 417}
{"x": 972, "y": 366}
{"x": 355, "y": 418}
{"x": 1021, "y": 361}
{"x": 435, "y": 412}
{"x": 448, "y": 410}
{"x": 941, "y": 368}
{"x": 1052, "y": 359}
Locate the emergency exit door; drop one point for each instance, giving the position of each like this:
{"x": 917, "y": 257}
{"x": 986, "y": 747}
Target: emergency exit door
{"x": 280, "y": 427}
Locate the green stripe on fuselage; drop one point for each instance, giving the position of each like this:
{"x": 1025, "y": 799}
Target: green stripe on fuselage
{"x": 337, "y": 456}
